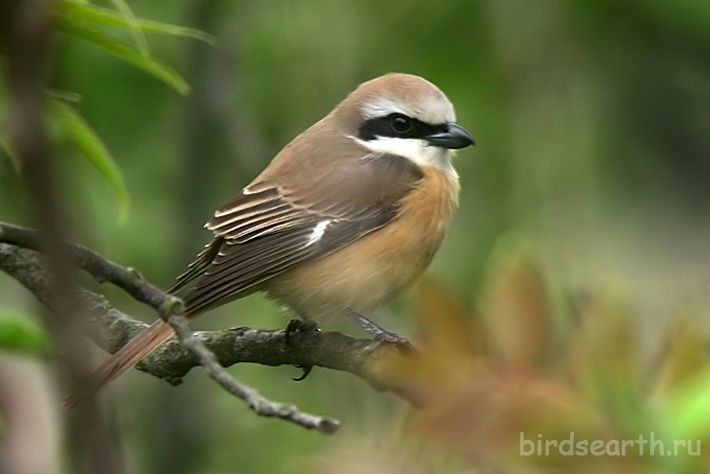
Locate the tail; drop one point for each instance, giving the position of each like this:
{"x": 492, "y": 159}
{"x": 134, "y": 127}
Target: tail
{"x": 125, "y": 359}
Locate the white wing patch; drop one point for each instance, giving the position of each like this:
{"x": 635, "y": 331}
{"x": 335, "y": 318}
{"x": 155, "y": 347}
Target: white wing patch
{"x": 318, "y": 232}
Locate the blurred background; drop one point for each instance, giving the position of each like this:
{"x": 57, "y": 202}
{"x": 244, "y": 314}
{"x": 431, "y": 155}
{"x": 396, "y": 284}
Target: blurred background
{"x": 571, "y": 294}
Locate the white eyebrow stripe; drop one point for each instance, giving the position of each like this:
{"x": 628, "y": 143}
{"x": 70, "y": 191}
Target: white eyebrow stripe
{"x": 383, "y": 107}
{"x": 318, "y": 232}
{"x": 432, "y": 110}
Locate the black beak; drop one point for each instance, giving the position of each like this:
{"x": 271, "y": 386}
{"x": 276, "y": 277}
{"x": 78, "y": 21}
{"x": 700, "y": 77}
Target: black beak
{"x": 451, "y": 136}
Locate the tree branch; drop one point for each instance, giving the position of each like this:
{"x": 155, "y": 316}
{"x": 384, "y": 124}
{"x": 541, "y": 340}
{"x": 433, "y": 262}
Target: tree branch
{"x": 260, "y": 405}
{"x": 111, "y": 329}
{"x": 91, "y": 262}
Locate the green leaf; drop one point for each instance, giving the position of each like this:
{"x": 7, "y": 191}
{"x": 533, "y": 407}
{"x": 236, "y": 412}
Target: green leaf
{"x": 96, "y": 15}
{"x": 89, "y": 144}
{"x": 687, "y": 415}
{"x": 124, "y": 52}
{"x": 130, "y": 20}
{"x": 176, "y": 30}
{"x": 66, "y": 96}
{"x": 21, "y": 334}
{"x": 7, "y": 150}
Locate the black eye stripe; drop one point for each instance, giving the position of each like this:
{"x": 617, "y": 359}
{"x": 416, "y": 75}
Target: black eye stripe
{"x": 382, "y": 127}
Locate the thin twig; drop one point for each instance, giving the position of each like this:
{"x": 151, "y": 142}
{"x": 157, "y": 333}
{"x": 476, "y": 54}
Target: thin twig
{"x": 29, "y": 270}
{"x": 256, "y": 402}
{"x": 91, "y": 262}
{"x": 111, "y": 329}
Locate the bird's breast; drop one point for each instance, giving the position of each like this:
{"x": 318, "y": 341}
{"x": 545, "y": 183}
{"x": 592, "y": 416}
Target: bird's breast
{"x": 367, "y": 273}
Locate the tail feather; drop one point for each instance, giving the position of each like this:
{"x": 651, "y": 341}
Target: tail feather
{"x": 125, "y": 359}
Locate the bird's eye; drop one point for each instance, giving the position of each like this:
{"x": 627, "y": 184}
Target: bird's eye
{"x": 400, "y": 123}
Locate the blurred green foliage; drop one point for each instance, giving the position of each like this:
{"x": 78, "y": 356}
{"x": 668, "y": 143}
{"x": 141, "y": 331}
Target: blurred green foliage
{"x": 18, "y": 333}
{"x": 95, "y": 25}
{"x": 571, "y": 292}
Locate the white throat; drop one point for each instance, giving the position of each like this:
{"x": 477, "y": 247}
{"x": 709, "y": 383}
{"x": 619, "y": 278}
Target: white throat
{"x": 414, "y": 149}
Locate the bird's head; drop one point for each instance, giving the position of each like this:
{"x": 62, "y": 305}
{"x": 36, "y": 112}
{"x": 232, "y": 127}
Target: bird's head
{"x": 404, "y": 115}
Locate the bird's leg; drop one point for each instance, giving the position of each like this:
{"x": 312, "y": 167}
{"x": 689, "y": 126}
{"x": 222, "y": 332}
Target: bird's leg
{"x": 295, "y": 329}
{"x": 378, "y": 332}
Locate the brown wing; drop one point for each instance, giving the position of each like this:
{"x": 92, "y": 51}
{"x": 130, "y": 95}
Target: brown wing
{"x": 270, "y": 227}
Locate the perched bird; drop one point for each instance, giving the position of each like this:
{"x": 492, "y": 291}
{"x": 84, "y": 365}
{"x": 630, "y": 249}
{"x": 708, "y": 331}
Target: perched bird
{"x": 343, "y": 219}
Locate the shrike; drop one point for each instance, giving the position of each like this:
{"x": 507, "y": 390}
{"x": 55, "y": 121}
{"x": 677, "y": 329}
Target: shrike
{"x": 344, "y": 218}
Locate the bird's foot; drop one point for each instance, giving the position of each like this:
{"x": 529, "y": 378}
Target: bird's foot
{"x": 299, "y": 327}
{"x": 296, "y": 329}
{"x": 381, "y": 334}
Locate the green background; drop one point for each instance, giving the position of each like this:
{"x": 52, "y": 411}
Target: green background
{"x": 593, "y": 154}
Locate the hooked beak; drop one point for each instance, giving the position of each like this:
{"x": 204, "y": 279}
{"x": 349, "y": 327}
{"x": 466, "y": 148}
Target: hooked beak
{"x": 451, "y": 136}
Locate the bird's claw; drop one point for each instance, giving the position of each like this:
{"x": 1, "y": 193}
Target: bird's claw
{"x": 380, "y": 334}
{"x": 394, "y": 338}
{"x": 306, "y": 370}
{"x": 296, "y": 329}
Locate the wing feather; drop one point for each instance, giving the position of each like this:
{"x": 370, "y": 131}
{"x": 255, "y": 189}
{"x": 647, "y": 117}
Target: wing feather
{"x": 197, "y": 267}
{"x": 255, "y": 212}
{"x": 272, "y": 226}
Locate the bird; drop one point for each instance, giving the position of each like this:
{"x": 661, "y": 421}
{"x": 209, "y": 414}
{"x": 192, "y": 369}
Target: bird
{"x": 344, "y": 218}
